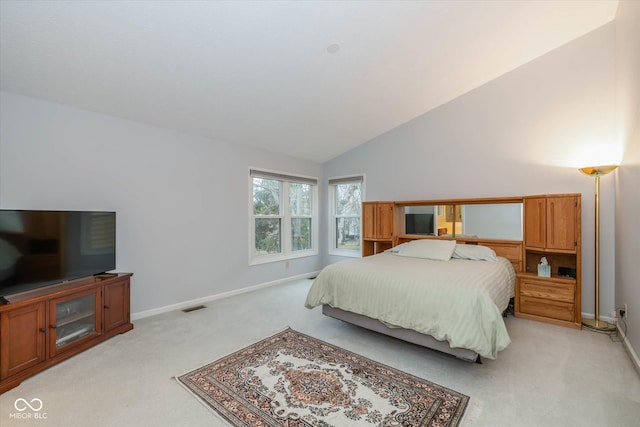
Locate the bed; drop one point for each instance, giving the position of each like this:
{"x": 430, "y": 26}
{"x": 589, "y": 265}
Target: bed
{"x": 451, "y": 300}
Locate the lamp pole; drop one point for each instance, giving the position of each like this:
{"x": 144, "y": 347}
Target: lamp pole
{"x": 596, "y": 323}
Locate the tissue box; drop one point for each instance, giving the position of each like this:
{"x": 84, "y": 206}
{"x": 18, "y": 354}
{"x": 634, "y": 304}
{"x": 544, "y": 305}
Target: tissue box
{"x": 544, "y": 270}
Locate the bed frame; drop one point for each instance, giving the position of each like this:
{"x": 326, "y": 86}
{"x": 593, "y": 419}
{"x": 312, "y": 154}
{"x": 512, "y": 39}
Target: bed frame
{"x": 512, "y": 250}
{"x": 400, "y": 333}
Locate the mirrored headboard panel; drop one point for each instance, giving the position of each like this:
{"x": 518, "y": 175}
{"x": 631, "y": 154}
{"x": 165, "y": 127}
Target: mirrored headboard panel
{"x": 492, "y": 221}
{"x": 494, "y": 218}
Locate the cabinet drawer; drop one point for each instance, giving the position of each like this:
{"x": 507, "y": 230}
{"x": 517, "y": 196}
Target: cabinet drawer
{"x": 547, "y": 290}
{"x": 547, "y": 308}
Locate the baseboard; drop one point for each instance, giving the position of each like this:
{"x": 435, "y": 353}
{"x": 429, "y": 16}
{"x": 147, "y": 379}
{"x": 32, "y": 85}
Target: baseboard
{"x": 191, "y": 303}
{"x": 630, "y": 351}
{"x": 603, "y": 318}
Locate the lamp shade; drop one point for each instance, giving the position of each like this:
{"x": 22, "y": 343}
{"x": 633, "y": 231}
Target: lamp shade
{"x": 598, "y": 170}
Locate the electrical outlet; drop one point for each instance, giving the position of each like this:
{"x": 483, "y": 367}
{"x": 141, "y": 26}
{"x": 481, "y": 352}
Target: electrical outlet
{"x": 623, "y": 311}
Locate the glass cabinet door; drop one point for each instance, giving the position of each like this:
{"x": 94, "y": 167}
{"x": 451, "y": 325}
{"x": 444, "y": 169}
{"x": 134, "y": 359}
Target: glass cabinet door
{"x": 74, "y": 319}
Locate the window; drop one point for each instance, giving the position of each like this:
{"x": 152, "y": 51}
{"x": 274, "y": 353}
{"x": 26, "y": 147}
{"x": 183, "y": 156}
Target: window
{"x": 345, "y": 204}
{"x": 283, "y": 216}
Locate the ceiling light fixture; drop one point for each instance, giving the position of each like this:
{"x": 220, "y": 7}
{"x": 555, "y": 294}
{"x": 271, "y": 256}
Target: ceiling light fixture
{"x": 333, "y": 48}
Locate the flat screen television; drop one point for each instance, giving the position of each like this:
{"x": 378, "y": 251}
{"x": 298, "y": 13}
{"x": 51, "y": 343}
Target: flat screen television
{"x": 419, "y": 223}
{"x": 40, "y": 248}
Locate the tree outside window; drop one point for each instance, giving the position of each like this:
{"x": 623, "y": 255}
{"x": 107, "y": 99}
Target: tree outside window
{"x": 300, "y": 197}
{"x": 346, "y": 204}
{"x": 268, "y": 219}
{"x": 283, "y": 216}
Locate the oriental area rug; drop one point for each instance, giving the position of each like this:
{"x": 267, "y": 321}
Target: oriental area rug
{"x": 291, "y": 379}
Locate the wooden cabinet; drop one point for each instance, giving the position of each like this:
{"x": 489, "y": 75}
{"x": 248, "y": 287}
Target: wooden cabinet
{"x": 377, "y": 227}
{"x": 45, "y": 326}
{"x": 547, "y": 297}
{"x": 552, "y": 229}
{"x": 74, "y": 319}
{"x": 377, "y": 220}
{"x": 116, "y": 304}
{"x": 550, "y": 223}
{"x": 22, "y": 339}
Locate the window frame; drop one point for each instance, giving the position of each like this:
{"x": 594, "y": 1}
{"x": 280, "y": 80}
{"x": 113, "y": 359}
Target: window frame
{"x": 285, "y": 215}
{"x": 333, "y": 216}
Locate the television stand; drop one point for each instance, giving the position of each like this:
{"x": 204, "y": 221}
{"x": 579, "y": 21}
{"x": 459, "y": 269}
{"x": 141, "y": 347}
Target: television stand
{"x": 105, "y": 275}
{"x": 45, "y": 326}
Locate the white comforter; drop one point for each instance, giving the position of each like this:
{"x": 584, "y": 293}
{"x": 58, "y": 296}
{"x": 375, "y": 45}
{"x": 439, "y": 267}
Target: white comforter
{"x": 460, "y": 301}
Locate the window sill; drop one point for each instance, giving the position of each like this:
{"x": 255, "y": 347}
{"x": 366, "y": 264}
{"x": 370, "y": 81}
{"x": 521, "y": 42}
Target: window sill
{"x": 345, "y": 253}
{"x": 266, "y": 259}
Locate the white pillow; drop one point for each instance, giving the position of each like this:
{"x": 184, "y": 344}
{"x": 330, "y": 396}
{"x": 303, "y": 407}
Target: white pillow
{"x": 440, "y": 250}
{"x": 474, "y": 252}
{"x": 396, "y": 248}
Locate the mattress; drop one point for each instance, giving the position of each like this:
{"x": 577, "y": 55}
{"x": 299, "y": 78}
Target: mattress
{"x": 459, "y": 301}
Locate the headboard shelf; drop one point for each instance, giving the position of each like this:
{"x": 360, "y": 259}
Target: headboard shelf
{"x": 467, "y": 201}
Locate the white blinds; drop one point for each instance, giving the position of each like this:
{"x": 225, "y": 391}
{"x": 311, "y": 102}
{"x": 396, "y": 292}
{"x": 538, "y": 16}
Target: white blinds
{"x": 257, "y": 173}
{"x": 346, "y": 180}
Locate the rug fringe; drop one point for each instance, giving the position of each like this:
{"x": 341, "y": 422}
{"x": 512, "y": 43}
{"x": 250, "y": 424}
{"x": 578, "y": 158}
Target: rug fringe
{"x": 203, "y": 403}
{"x": 198, "y": 398}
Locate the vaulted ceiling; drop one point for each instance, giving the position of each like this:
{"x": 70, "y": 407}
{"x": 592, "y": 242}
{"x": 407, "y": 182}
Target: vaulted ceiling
{"x": 311, "y": 79}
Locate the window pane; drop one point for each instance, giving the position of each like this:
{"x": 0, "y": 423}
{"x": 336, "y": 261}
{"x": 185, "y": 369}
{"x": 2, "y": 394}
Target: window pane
{"x": 300, "y": 198}
{"x": 348, "y": 233}
{"x": 300, "y": 234}
{"x": 266, "y": 197}
{"x": 348, "y": 199}
{"x": 268, "y": 236}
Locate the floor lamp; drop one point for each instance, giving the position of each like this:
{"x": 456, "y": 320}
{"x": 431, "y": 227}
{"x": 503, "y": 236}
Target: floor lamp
{"x": 596, "y": 323}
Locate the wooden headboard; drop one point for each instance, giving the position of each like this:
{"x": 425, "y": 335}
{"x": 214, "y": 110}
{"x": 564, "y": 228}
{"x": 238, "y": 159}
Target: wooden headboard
{"x": 509, "y": 249}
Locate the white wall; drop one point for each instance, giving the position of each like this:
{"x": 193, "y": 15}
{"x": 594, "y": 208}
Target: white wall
{"x": 628, "y": 175}
{"x": 182, "y": 201}
{"x": 524, "y": 133}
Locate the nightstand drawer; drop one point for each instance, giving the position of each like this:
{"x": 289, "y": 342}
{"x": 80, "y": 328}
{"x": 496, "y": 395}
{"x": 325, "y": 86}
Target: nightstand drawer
{"x": 547, "y": 308}
{"x": 545, "y": 290}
